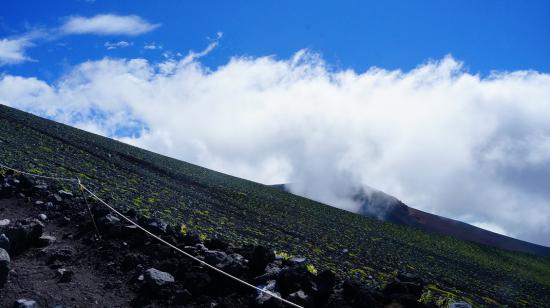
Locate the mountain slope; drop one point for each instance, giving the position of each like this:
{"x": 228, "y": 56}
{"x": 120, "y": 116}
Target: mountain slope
{"x": 213, "y": 205}
{"x": 377, "y": 204}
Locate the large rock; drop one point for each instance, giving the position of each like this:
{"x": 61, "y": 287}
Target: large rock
{"x": 25, "y": 182}
{"x": 25, "y": 303}
{"x": 234, "y": 264}
{"x": 65, "y": 194}
{"x": 109, "y": 225}
{"x": 156, "y": 279}
{"x": 62, "y": 254}
{"x": 157, "y": 225}
{"x": 4, "y": 223}
{"x": 46, "y": 240}
{"x": 4, "y": 266}
{"x": 24, "y": 233}
{"x": 258, "y": 258}
{"x": 291, "y": 280}
{"x": 264, "y": 299}
{"x": 299, "y": 298}
{"x": 325, "y": 282}
{"x": 214, "y": 257}
{"x": 4, "y": 242}
{"x": 64, "y": 275}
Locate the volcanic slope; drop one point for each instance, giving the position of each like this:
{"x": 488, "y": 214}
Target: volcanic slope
{"x": 215, "y": 205}
{"x": 377, "y": 204}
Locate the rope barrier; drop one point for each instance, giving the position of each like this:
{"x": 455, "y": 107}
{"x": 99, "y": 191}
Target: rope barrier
{"x": 89, "y": 209}
{"x": 82, "y": 187}
{"x": 40, "y": 176}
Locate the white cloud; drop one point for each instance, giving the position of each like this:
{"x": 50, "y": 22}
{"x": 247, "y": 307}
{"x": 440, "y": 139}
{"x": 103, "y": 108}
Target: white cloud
{"x": 12, "y": 51}
{"x": 438, "y": 138}
{"x": 115, "y": 45}
{"x": 107, "y": 24}
{"x": 152, "y": 46}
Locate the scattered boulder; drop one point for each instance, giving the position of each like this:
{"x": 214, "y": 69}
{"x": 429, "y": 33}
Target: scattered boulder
{"x": 46, "y": 240}
{"x": 64, "y": 221}
{"x": 271, "y": 272}
{"x": 41, "y": 187}
{"x": 299, "y": 298}
{"x": 157, "y": 225}
{"x": 182, "y": 297}
{"x": 112, "y": 219}
{"x": 291, "y": 280}
{"x": 294, "y": 261}
{"x": 460, "y": 304}
{"x": 4, "y": 266}
{"x": 4, "y": 242}
{"x": 234, "y": 264}
{"x": 197, "y": 282}
{"x": 216, "y": 244}
{"x": 25, "y": 303}
{"x": 57, "y": 198}
{"x": 64, "y": 275}
{"x": 24, "y": 233}
{"x": 325, "y": 282}
{"x": 53, "y": 254}
{"x": 4, "y": 223}
{"x": 156, "y": 279}
{"x": 48, "y": 206}
{"x": 265, "y": 299}
{"x": 25, "y": 182}
{"x": 43, "y": 217}
{"x": 366, "y": 299}
{"x": 65, "y": 194}
{"x": 214, "y": 257}
{"x": 258, "y": 258}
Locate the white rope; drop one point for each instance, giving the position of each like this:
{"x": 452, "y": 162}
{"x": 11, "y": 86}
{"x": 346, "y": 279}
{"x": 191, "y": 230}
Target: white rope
{"x": 40, "y": 176}
{"x": 159, "y": 238}
{"x": 187, "y": 254}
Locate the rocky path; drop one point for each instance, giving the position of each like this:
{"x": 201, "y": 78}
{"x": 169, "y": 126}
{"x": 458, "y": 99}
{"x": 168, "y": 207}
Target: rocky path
{"x": 75, "y": 280}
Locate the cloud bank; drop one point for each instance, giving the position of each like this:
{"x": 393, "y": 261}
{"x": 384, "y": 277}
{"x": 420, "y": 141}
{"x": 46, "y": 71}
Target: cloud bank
{"x": 437, "y": 137}
{"x": 107, "y": 24}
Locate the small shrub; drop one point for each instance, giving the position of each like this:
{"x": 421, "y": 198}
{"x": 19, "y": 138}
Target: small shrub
{"x": 283, "y": 254}
{"x": 183, "y": 230}
{"x": 310, "y": 268}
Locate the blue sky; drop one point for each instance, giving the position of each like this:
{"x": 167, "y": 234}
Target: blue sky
{"x": 455, "y": 121}
{"x": 485, "y": 35}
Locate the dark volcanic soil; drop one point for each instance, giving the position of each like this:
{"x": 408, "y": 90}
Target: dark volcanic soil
{"x": 31, "y": 277}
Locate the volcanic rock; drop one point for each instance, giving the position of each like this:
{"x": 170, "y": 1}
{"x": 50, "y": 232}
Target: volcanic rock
{"x": 25, "y": 303}
{"x": 4, "y": 242}
{"x": 4, "y": 266}
{"x": 155, "y": 278}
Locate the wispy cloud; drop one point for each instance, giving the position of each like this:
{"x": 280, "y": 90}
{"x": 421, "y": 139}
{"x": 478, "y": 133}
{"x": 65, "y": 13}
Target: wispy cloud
{"x": 108, "y": 24}
{"x": 12, "y": 51}
{"x": 115, "y": 45}
{"x": 437, "y": 137}
{"x": 152, "y": 46}
{"x": 193, "y": 56}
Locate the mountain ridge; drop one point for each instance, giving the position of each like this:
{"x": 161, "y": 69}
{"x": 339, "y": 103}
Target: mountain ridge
{"x": 382, "y": 206}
